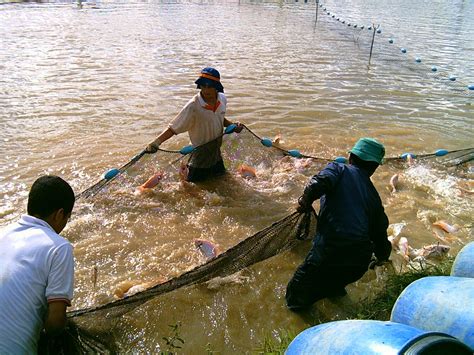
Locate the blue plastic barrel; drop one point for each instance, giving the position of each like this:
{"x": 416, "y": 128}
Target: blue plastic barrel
{"x": 439, "y": 304}
{"x": 370, "y": 337}
{"x": 463, "y": 265}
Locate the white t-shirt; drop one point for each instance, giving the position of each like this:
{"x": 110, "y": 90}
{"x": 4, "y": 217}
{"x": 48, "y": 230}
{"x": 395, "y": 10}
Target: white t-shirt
{"x": 36, "y": 267}
{"x": 203, "y": 122}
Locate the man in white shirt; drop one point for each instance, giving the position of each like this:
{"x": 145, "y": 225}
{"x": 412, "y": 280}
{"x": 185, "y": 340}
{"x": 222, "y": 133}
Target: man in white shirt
{"x": 203, "y": 117}
{"x": 36, "y": 268}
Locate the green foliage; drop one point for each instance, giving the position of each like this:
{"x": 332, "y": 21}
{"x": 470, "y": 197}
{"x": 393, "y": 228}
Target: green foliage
{"x": 174, "y": 341}
{"x": 381, "y": 307}
{"x": 277, "y": 346}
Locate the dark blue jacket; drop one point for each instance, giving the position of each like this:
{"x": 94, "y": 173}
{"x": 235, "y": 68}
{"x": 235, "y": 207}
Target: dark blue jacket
{"x": 351, "y": 212}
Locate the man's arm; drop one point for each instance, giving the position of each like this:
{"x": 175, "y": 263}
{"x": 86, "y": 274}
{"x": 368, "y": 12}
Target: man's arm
{"x": 382, "y": 246}
{"x": 55, "y": 318}
{"x": 317, "y": 186}
{"x": 163, "y": 137}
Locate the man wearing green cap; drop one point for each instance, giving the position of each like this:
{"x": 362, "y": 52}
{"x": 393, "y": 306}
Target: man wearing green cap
{"x": 352, "y": 227}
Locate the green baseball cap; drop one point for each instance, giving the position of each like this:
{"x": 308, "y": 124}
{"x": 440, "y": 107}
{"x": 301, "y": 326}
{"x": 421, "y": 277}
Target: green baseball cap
{"x": 369, "y": 149}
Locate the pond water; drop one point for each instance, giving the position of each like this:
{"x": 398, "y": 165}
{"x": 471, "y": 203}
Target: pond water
{"x": 82, "y": 90}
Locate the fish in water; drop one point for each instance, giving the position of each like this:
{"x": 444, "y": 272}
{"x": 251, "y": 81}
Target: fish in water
{"x": 430, "y": 251}
{"x": 277, "y": 140}
{"x": 446, "y": 227}
{"x": 128, "y": 288}
{"x": 246, "y": 171}
{"x": 399, "y": 243}
{"x": 394, "y": 182}
{"x": 206, "y": 248}
{"x": 152, "y": 181}
{"x": 183, "y": 171}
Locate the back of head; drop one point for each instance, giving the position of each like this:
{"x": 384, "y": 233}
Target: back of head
{"x": 48, "y": 194}
{"x": 367, "y": 154}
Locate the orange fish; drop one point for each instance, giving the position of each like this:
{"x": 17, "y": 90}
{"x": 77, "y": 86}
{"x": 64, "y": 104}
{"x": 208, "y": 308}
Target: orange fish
{"x": 246, "y": 171}
{"x": 183, "y": 171}
{"x": 277, "y": 139}
{"x": 446, "y": 227}
{"x": 128, "y": 288}
{"x": 152, "y": 181}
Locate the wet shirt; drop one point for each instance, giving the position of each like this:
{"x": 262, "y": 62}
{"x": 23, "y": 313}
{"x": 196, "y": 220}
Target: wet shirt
{"x": 351, "y": 212}
{"x": 36, "y": 267}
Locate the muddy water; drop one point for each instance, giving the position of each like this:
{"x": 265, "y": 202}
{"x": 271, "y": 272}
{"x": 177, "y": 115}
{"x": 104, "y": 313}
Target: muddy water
{"x": 83, "y": 90}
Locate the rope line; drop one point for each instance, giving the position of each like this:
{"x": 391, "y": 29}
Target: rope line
{"x": 434, "y": 70}
{"x": 94, "y": 189}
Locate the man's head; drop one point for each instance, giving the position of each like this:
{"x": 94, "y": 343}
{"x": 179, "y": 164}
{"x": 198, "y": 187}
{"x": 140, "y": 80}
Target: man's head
{"x": 368, "y": 154}
{"x": 51, "y": 199}
{"x": 209, "y": 77}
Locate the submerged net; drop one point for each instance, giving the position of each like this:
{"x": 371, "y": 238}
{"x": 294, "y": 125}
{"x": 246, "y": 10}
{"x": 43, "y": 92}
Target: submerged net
{"x": 266, "y": 243}
{"x": 246, "y": 157}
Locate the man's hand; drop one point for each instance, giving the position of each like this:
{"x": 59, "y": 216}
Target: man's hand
{"x": 376, "y": 262}
{"x": 239, "y": 127}
{"x": 152, "y": 147}
{"x": 303, "y": 205}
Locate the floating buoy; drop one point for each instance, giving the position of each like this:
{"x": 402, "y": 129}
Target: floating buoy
{"x": 230, "y": 128}
{"x": 452, "y": 78}
{"x": 186, "y": 150}
{"x": 111, "y": 173}
{"x": 470, "y": 87}
{"x": 342, "y": 160}
{"x": 403, "y": 50}
{"x": 441, "y": 152}
{"x": 405, "y": 155}
{"x": 390, "y": 40}
{"x": 266, "y": 142}
{"x": 433, "y": 68}
{"x": 418, "y": 59}
{"x": 295, "y": 153}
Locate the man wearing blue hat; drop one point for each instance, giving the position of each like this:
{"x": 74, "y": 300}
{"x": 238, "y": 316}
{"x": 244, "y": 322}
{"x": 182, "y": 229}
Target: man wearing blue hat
{"x": 203, "y": 117}
{"x": 352, "y": 226}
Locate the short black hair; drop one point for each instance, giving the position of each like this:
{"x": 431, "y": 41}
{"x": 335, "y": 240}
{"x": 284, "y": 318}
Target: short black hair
{"x": 369, "y": 166}
{"x": 48, "y": 194}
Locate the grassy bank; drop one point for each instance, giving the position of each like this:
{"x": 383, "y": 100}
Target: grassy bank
{"x": 378, "y": 308}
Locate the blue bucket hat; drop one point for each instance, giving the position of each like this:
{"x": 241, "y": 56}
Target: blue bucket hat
{"x": 369, "y": 149}
{"x": 210, "y": 76}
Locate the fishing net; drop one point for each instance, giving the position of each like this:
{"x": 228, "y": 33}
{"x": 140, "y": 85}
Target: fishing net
{"x": 259, "y": 171}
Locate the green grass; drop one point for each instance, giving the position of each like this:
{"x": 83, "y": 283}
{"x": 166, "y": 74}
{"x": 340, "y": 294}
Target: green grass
{"x": 381, "y": 306}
